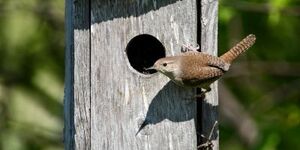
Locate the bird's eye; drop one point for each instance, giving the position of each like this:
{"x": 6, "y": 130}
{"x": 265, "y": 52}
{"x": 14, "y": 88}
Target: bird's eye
{"x": 164, "y": 64}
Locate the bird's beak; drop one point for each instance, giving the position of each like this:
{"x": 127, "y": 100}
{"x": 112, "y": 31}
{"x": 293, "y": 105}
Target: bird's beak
{"x": 150, "y": 68}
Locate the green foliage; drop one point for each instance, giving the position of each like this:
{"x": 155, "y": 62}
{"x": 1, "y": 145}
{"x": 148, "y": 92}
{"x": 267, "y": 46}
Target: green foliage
{"x": 31, "y": 74}
{"x": 270, "y": 94}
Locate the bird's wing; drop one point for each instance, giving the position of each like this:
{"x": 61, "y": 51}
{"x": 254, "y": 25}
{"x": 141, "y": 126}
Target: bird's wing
{"x": 209, "y": 60}
{"x": 214, "y": 61}
{"x": 201, "y": 76}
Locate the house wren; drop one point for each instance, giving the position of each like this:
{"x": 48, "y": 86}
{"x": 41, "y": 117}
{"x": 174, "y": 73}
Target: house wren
{"x": 198, "y": 69}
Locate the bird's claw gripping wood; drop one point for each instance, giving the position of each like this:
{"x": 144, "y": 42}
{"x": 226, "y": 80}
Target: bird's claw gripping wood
{"x": 197, "y": 69}
{"x": 202, "y": 94}
{"x": 189, "y": 47}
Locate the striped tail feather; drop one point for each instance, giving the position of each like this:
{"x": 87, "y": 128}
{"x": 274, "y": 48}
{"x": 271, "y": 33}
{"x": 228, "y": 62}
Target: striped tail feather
{"x": 239, "y": 48}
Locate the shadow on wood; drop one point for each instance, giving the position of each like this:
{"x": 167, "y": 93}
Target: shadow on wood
{"x": 177, "y": 107}
{"x": 124, "y": 8}
{"x": 97, "y": 33}
{"x": 209, "y": 122}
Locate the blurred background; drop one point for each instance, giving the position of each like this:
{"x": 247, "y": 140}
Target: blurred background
{"x": 31, "y": 74}
{"x": 259, "y": 97}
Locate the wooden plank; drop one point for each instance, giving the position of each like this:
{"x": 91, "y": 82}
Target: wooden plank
{"x": 121, "y": 98}
{"x": 69, "y": 72}
{"x": 82, "y": 74}
{"x": 77, "y": 101}
{"x": 209, "y": 36}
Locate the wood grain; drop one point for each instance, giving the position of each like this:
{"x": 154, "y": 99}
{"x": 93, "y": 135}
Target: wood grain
{"x": 77, "y": 96}
{"x": 122, "y": 99}
{"x": 107, "y": 101}
{"x": 69, "y": 72}
{"x": 209, "y": 36}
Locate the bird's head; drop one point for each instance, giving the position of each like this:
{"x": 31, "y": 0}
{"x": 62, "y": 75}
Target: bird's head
{"x": 168, "y": 66}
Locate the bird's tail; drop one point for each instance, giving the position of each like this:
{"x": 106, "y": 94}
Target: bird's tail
{"x": 239, "y": 48}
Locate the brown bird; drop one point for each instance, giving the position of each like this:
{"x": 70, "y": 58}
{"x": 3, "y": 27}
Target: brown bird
{"x": 198, "y": 69}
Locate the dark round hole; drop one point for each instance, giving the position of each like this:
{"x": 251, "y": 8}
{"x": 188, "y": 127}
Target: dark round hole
{"x": 143, "y": 51}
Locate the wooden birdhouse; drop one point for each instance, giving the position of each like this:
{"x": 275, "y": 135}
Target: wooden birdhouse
{"x": 112, "y": 102}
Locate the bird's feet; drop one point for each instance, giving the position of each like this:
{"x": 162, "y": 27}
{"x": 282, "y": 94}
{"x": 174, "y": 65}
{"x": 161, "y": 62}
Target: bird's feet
{"x": 189, "y": 47}
{"x": 202, "y": 94}
{"x": 192, "y": 98}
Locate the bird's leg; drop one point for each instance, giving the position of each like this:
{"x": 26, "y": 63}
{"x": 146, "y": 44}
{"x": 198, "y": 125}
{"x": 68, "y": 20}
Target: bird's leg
{"x": 202, "y": 94}
{"x": 189, "y": 47}
{"x": 208, "y": 144}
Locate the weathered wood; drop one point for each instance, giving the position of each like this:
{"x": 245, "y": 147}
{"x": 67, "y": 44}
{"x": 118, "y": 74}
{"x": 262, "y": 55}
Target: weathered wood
{"x": 209, "y": 33}
{"x": 77, "y": 101}
{"x": 107, "y": 101}
{"x": 82, "y": 76}
{"x": 123, "y": 99}
{"x": 69, "y": 72}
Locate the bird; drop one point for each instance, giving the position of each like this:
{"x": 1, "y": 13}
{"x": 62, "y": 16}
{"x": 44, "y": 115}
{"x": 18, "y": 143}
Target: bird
{"x": 198, "y": 69}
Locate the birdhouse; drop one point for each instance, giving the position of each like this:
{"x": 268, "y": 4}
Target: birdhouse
{"x": 112, "y": 102}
